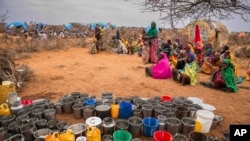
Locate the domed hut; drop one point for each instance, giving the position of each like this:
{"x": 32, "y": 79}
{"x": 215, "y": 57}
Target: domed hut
{"x": 211, "y": 32}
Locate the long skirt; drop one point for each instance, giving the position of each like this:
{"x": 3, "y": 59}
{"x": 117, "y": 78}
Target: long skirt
{"x": 153, "y": 51}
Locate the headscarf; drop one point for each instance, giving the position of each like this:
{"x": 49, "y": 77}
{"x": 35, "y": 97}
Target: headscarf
{"x": 191, "y": 55}
{"x": 152, "y": 32}
{"x": 228, "y": 75}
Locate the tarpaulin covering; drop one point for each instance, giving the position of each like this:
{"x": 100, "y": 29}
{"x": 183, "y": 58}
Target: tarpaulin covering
{"x": 17, "y": 24}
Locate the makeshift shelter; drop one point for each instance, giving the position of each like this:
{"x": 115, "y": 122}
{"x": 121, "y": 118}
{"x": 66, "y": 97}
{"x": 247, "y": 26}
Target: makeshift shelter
{"x": 68, "y": 26}
{"x": 22, "y": 25}
{"x": 210, "y": 31}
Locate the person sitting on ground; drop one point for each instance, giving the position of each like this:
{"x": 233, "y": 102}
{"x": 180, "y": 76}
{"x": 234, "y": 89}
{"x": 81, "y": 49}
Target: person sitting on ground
{"x": 207, "y": 66}
{"x": 131, "y": 46}
{"x": 189, "y": 74}
{"x": 161, "y": 70}
{"x": 181, "y": 60}
{"x": 223, "y": 78}
{"x": 228, "y": 55}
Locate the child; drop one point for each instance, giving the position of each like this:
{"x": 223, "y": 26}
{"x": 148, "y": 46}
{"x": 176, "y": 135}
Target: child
{"x": 145, "y": 52}
{"x": 93, "y": 49}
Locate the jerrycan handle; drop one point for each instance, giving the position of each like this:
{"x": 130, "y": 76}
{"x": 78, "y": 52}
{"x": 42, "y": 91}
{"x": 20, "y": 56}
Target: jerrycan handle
{"x": 4, "y": 105}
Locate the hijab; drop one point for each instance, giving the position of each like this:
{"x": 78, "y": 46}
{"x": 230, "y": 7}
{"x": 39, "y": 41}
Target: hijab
{"x": 152, "y": 32}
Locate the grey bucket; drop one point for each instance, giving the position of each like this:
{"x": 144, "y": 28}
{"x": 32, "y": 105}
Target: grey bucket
{"x": 137, "y": 113}
{"x": 158, "y": 110}
{"x": 77, "y": 111}
{"x": 41, "y": 133}
{"x": 180, "y": 137}
{"x": 173, "y": 125}
{"x": 28, "y": 130}
{"x": 147, "y": 110}
{"x": 135, "y": 126}
{"x": 188, "y": 125}
{"x": 122, "y": 124}
{"x": 88, "y": 111}
{"x": 59, "y": 108}
{"x": 162, "y": 122}
{"x": 181, "y": 111}
{"x": 107, "y": 137}
{"x": 108, "y": 126}
{"x": 169, "y": 112}
{"x": 17, "y": 137}
{"x": 49, "y": 114}
{"x": 197, "y": 136}
{"x": 67, "y": 105}
{"x": 37, "y": 112}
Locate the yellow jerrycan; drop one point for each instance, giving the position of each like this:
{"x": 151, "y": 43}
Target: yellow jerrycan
{"x": 53, "y": 137}
{"x": 93, "y": 134}
{"x": 68, "y": 135}
{"x": 4, "y": 110}
{"x": 114, "y": 111}
{"x": 198, "y": 126}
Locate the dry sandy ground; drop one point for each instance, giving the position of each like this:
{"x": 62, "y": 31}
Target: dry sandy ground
{"x": 59, "y": 73}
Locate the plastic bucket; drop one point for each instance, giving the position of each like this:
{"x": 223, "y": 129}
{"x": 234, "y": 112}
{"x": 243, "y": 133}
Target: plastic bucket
{"x": 195, "y": 100}
{"x": 122, "y": 135}
{"x": 135, "y": 126}
{"x": 125, "y": 109}
{"x": 197, "y": 136}
{"x": 91, "y": 102}
{"x": 166, "y": 98}
{"x": 162, "y": 136}
{"x": 180, "y": 137}
{"x": 205, "y": 118}
{"x": 208, "y": 107}
{"x": 173, "y": 125}
{"x": 150, "y": 125}
{"x": 188, "y": 125}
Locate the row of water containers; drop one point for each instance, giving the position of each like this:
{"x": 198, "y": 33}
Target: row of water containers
{"x": 159, "y": 113}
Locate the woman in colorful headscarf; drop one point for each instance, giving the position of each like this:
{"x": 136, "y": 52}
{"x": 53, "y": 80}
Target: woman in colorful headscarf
{"x": 189, "y": 74}
{"x": 228, "y": 55}
{"x": 223, "y": 78}
{"x": 207, "y": 66}
{"x": 161, "y": 70}
{"x": 152, "y": 35}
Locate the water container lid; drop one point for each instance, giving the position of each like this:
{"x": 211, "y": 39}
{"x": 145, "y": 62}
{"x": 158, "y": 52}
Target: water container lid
{"x": 195, "y": 100}
{"x": 93, "y": 121}
{"x": 208, "y": 107}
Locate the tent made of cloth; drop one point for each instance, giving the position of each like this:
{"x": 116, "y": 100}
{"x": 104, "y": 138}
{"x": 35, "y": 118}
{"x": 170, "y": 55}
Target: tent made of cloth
{"x": 68, "y": 26}
{"x": 17, "y": 24}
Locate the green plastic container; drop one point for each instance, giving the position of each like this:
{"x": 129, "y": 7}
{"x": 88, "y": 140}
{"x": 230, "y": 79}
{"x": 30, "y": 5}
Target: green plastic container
{"x": 122, "y": 135}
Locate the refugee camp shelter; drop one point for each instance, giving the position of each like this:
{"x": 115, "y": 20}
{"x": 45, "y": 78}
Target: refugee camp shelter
{"x": 212, "y": 32}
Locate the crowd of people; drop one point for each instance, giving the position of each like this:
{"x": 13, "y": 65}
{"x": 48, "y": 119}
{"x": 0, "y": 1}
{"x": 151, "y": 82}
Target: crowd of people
{"x": 183, "y": 62}
{"x": 180, "y": 61}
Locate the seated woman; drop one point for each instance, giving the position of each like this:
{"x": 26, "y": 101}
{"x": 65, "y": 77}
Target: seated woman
{"x": 161, "y": 70}
{"x": 211, "y": 63}
{"x": 180, "y": 61}
{"x": 189, "y": 74}
{"x": 224, "y": 78}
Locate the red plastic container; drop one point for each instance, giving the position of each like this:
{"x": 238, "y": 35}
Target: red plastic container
{"x": 162, "y": 136}
{"x": 166, "y": 98}
{"x": 26, "y": 102}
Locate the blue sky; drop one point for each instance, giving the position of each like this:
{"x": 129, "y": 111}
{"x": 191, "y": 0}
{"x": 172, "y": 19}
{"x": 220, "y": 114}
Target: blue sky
{"x": 119, "y": 12}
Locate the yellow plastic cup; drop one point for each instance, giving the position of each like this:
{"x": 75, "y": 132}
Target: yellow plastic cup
{"x": 114, "y": 110}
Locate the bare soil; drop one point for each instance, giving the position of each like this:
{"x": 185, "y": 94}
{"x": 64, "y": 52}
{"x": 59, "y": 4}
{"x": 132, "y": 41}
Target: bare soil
{"x": 58, "y": 73}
